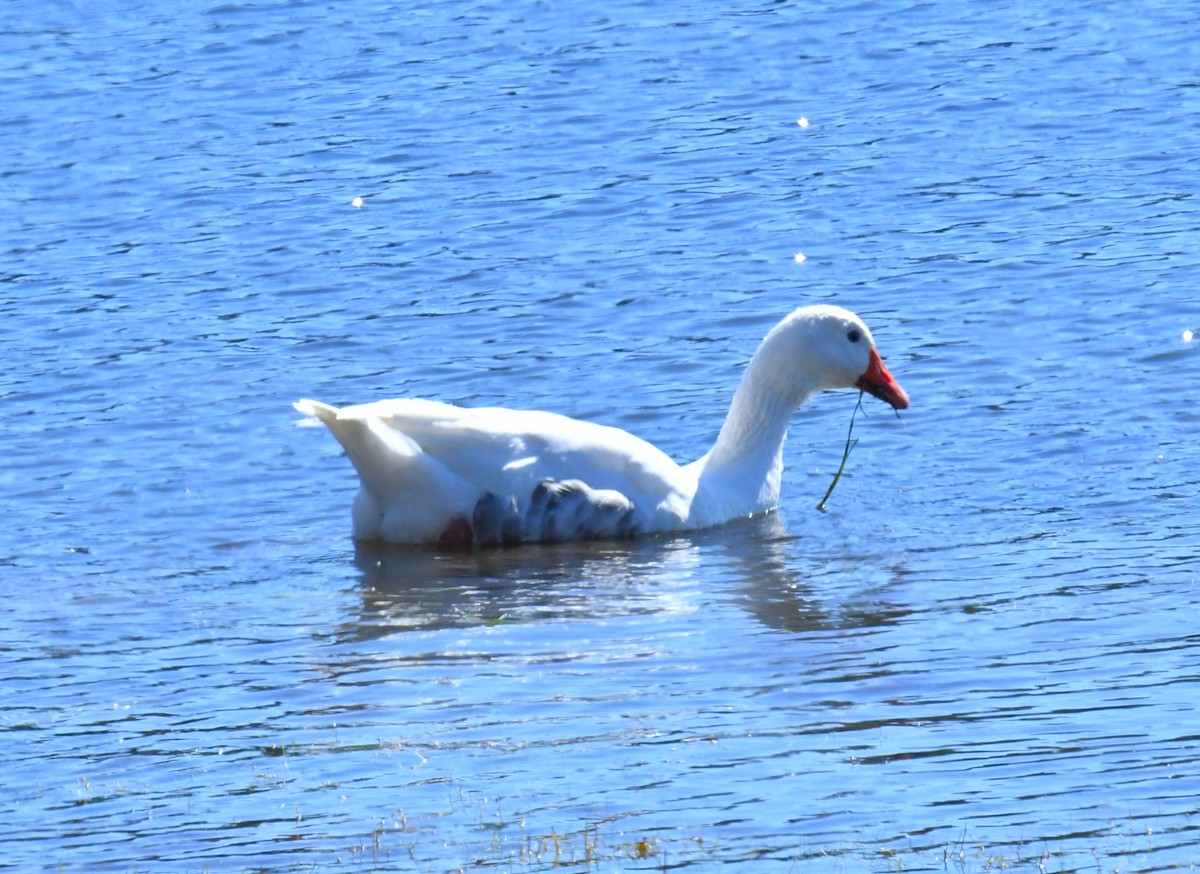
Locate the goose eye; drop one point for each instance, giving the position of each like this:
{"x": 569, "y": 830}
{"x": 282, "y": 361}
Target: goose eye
{"x": 854, "y": 335}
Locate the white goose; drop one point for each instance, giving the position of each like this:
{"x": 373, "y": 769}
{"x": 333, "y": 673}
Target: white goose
{"x": 439, "y": 474}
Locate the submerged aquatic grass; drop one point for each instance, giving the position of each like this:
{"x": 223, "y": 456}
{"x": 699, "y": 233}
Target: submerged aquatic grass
{"x": 604, "y": 846}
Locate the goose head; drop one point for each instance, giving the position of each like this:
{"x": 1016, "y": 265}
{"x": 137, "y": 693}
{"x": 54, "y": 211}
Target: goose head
{"x": 827, "y": 347}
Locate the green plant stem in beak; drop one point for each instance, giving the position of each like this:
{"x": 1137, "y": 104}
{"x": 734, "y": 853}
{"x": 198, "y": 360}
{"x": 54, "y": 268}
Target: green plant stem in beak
{"x": 849, "y": 445}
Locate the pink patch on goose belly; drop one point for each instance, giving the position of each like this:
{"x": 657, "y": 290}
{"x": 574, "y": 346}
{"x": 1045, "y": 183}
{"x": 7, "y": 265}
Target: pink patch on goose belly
{"x": 456, "y": 535}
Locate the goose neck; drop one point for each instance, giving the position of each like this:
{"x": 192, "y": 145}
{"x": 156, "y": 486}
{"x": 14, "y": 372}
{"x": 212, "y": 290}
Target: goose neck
{"x": 749, "y": 447}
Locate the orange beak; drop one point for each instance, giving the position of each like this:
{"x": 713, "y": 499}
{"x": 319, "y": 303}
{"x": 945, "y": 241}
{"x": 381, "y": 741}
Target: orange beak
{"x": 877, "y": 381}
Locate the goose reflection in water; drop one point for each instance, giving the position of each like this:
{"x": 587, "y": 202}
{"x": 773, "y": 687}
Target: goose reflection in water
{"x": 753, "y": 563}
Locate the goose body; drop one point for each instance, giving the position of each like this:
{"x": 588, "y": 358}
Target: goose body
{"x": 452, "y": 476}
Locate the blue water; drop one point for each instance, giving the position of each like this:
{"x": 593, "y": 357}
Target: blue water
{"x": 983, "y": 655}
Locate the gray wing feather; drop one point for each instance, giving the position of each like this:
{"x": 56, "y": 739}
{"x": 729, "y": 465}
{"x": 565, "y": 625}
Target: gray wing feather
{"x": 555, "y": 511}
